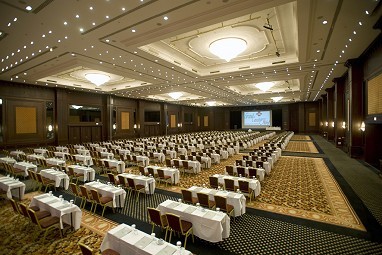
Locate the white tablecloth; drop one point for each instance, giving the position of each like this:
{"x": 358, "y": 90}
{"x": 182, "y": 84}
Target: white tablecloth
{"x": 173, "y": 172}
{"x": 86, "y": 160}
{"x": 266, "y": 165}
{"x": 160, "y": 156}
{"x": 56, "y": 176}
{"x": 68, "y": 213}
{"x": 127, "y": 241}
{"x": 25, "y": 166}
{"x": 195, "y": 165}
{"x": 235, "y": 199}
{"x": 62, "y": 149}
{"x": 143, "y": 159}
{"x": 207, "y": 224}
{"x": 8, "y": 160}
{"x": 12, "y": 187}
{"x": 89, "y": 173}
{"x": 118, "y": 194}
{"x": 40, "y": 151}
{"x": 16, "y": 153}
{"x": 148, "y": 182}
{"x": 117, "y": 163}
{"x": 61, "y": 154}
{"x": 107, "y": 155}
{"x": 55, "y": 162}
{"x": 259, "y": 171}
{"x": 83, "y": 152}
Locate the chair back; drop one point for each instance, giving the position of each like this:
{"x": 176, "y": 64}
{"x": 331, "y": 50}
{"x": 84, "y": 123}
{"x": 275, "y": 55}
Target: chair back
{"x": 111, "y": 177}
{"x": 107, "y": 165}
{"x": 239, "y": 162}
{"x": 155, "y": 216}
{"x": 24, "y": 210}
{"x": 187, "y": 196}
{"x": 84, "y": 192}
{"x": 240, "y": 171}
{"x": 70, "y": 171}
{"x": 15, "y": 206}
{"x": 151, "y": 171}
{"x": 221, "y": 202}
{"x": 183, "y": 157}
{"x": 185, "y": 164}
{"x": 122, "y": 181}
{"x": 95, "y": 196}
{"x": 160, "y": 173}
{"x": 86, "y": 250}
{"x": 74, "y": 188}
{"x": 131, "y": 182}
{"x": 229, "y": 184}
{"x": 203, "y": 199}
{"x": 142, "y": 170}
{"x": 214, "y": 183}
{"x": 199, "y": 158}
{"x": 168, "y": 162}
{"x": 229, "y": 170}
{"x": 190, "y": 157}
{"x": 39, "y": 177}
{"x": 244, "y": 186}
{"x": 259, "y": 164}
{"x": 252, "y": 172}
{"x": 174, "y": 222}
{"x": 33, "y": 217}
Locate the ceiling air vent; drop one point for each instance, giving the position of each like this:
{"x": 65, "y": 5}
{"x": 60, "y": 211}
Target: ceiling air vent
{"x": 128, "y": 86}
{"x": 194, "y": 70}
{"x": 113, "y": 88}
{"x": 143, "y": 83}
{"x": 214, "y": 72}
{"x": 52, "y": 81}
{"x": 77, "y": 85}
{"x": 176, "y": 62}
{"x": 278, "y": 62}
{"x": 244, "y": 67}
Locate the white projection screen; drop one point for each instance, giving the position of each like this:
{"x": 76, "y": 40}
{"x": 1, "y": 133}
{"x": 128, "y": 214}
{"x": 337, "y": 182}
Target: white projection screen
{"x": 256, "y": 119}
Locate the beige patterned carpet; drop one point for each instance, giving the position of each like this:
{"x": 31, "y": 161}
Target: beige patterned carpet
{"x": 298, "y": 146}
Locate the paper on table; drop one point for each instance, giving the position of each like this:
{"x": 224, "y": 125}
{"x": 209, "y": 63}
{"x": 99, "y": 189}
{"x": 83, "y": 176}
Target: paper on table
{"x": 143, "y": 242}
{"x": 190, "y": 209}
{"x": 122, "y": 232}
{"x": 213, "y": 192}
{"x": 168, "y": 250}
{"x": 172, "y": 205}
{"x": 62, "y": 206}
{"x": 209, "y": 215}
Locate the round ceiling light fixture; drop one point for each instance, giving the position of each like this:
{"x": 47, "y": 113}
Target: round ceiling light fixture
{"x": 228, "y": 48}
{"x": 97, "y": 78}
{"x": 175, "y": 95}
{"x": 264, "y": 86}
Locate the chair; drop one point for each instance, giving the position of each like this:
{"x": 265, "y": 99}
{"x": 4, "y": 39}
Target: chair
{"x": 180, "y": 226}
{"x": 182, "y": 157}
{"x": 125, "y": 185}
{"x": 244, "y": 187}
{"x": 229, "y": 184}
{"x": 15, "y": 207}
{"x": 163, "y": 177}
{"x": 156, "y": 219}
{"x": 86, "y": 250}
{"x": 139, "y": 188}
{"x": 239, "y": 162}
{"x": 142, "y": 170}
{"x": 259, "y": 164}
{"x": 74, "y": 189}
{"x": 214, "y": 182}
{"x": 86, "y": 197}
{"x": 101, "y": 200}
{"x": 202, "y": 164}
{"x": 187, "y": 168}
{"x": 45, "y": 182}
{"x": 229, "y": 170}
{"x": 252, "y": 172}
{"x": 204, "y": 200}
{"x": 109, "y": 167}
{"x": 168, "y": 162}
{"x": 45, "y": 224}
{"x": 240, "y": 171}
{"x": 16, "y": 172}
{"x": 221, "y": 202}
{"x": 112, "y": 179}
{"x": 151, "y": 172}
{"x": 188, "y": 198}
{"x": 74, "y": 175}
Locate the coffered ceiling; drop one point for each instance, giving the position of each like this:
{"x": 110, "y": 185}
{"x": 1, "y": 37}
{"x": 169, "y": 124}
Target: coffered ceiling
{"x": 150, "y": 48}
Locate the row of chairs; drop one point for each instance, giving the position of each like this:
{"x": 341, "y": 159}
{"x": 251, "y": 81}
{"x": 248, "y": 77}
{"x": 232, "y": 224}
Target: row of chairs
{"x": 41, "y": 180}
{"x": 160, "y": 177}
{"x": 129, "y": 185}
{"x": 252, "y": 172}
{"x": 170, "y": 222}
{"x": 10, "y": 169}
{"x": 41, "y": 219}
{"x": 229, "y": 185}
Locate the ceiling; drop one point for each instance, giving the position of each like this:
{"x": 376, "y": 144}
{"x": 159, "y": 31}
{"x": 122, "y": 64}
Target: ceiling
{"x": 152, "y": 48}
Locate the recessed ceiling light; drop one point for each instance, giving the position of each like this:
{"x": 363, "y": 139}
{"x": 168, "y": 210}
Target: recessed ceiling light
{"x": 318, "y": 51}
{"x": 15, "y": 19}
{"x": 28, "y": 8}
{"x": 65, "y": 23}
{"x": 367, "y": 12}
{"x": 165, "y": 18}
{"x": 77, "y": 16}
{"x": 360, "y": 23}
{"x": 81, "y": 29}
{"x": 91, "y": 8}
{"x": 325, "y": 22}
{"x": 133, "y": 30}
{"x": 107, "y": 16}
{"x": 123, "y": 8}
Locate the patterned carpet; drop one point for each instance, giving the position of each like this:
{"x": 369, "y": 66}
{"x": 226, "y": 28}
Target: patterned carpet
{"x": 298, "y": 146}
{"x": 301, "y": 138}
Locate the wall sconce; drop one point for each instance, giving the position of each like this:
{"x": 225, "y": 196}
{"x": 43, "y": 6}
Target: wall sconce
{"x": 135, "y": 126}
{"x": 114, "y": 126}
{"x": 179, "y": 124}
{"x": 326, "y": 123}
{"x": 343, "y": 124}
{"x": 363, "y": 127}
{"x": 332, "y": 123}
{"x": 321, "y": 123}
{"x": 50, "y": 128}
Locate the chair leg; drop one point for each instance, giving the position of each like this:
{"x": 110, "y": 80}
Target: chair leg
{"x": 103, "y": 211}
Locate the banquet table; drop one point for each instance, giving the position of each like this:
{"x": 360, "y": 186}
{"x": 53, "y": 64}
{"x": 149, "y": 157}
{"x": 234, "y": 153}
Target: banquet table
{"x": 254, "y": 184}
{"x": 260, "y": 172}
{"x": 86, "y": 160}
{"x": 266, "y": 165}
{"x": 34, "y": 157}
{"x": 8, "y": 160}
{"x": 61, "y": 154}
{"x": 62, "y": 149}
{"x": 55, "y": 162}
{"x": 124, "y": 152}
{"x": 118, "y": 194}
{"x": 182, "y": 151}
{"x": 56, "y": 176}
{"x": 81, "y": 147}
{"x": 68, "y": 213}
{"x": 173, "y": 172}
{"x": 127, "y": 240}
{"x": 208, "y": 225}
{"x": 172, "y": 153}
{"x": 83, "y": 152}
{"x": 89, "y": 173}
{"x": 148, "y": 182}
{"x": 206, "y": 160}
{"x": 12, "y": 186}
{"x": 235, "y": 199}
{"x": 195, "y": 165}
{"x": 16, "y": 153}
{"x": 120, "y": 165}
{"x": 25, "y": 166}
{"x": 160, "y": 156}
{"x": 101, "y": 149}
{"x": 40, "y": 151}
{"x": 107, "y": 155}
{"x": 143, "y": 159}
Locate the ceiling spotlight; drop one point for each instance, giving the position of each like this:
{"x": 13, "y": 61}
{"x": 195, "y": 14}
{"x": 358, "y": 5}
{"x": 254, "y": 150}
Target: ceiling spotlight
{"x": 97, "y": 78}
{"x": 267, "y": 25}
{"x": 277, "y": 54}
{"x": 28, "y": 8}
